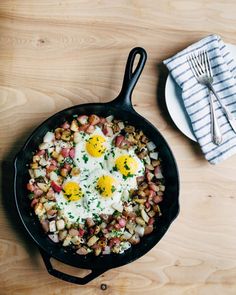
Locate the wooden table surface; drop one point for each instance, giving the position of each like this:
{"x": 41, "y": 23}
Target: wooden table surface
{"x": 57, "y": 53}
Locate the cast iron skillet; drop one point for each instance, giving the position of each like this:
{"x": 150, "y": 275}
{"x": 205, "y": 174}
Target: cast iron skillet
{"x": 121, "y": 108}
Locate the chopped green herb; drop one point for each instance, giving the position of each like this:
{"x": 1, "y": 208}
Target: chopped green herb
{"x": 105, "y": 157}
{"x": 85, "y": 158}
{"x": 113, "y": 189}
{"x": 115, "y": 168}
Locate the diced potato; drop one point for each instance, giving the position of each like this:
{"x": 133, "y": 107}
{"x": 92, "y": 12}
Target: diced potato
{"x": 77, "y": 137}
{"x": 151, "y": 146}
{"x": 144, "y": 216}
{"x": 60, "y": 158}
{"x": 75, "y": 240}
{"x": 92, "y": 241}
{"x": 140, "y": 221}
{"x": 127, "y": 235}
{"x": 45, "y": 146}
{"x": 31, "y": 173}
{"x": 151, "y": 213}
{"x": 139, "y": 230}
{"x": 55, "y": 155}
{"x": 43, "y": 186}
{"x": 62, "y": 235}
{"x": 34, "y": 165}
{"x": 53, "y": 176}
{"x": 43, "y": 162}
{"x": 117, "y": 206}
{"x": 97, "y": 251}
{"x": 39, "y": 209}
{"x": 75, "y": 171}
{"x": 60, "y": 224}
{"x": 52, "y": 226}
{"x": 162, "y": 188}
{"x": 67, "y": 241}
{"x": 74, "y": 125}
{"x": 49, "y": 137}
{"x": 39, "y": 172}
{"x": 66, "y": 135}
{"x": 49, "y": 205}
{"x": 36, "y": 158}
{"x": 140, "y": 201}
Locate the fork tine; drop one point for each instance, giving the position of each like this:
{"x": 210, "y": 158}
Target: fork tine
{"x": 204, "y": 55}
{"x": 192, "y": 67}
{"x": 195, "y": 65}
{"x": 198, "y": 62}
{"x": 208, "y": 64}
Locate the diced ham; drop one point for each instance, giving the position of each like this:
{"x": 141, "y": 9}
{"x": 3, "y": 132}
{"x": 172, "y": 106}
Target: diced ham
{"x": 51, "y": 168}
{"x": 73, "y": 232}
{"x": 107, "y": 130}
{"x": 90, "y": 222}
{"x": 50, "y": 194}
{"x": 103, "y": 120}
{"x": 158, "y": 173}
{"x": 149, "y": 175}
{"x": 65, "y": 152}
{"x": 67, "y": 166}
{"x": 153, "y": 187}
{"x": 34, "y": 202}
{"x": 40, "y": 153}
{"x": 81, "y": 232}
{"x": 83, "y": 119}
{"x": 147, "y": 205}
{"x": 56, "y": 187}
{"x": 45, "y": 225}
{"x": 65, "y": 125}
{"x": 38, "y": 192}
{"x": 122, "y": 222}
{"x": 94, "y": 119}
{"x": 119, "y": 140}
{"x": 90, "y": 129}
{"x": 157, "y": 199}
{"x": 72, "y": 153}
{"x": 114, "y": 241}
{"x": 30, "y": 187}
{"x": 151, "y": 221}
{"x": 83, "y": 127}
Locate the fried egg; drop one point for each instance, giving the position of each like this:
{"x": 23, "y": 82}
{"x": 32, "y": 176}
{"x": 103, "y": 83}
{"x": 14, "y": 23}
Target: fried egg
{"x": 126, "y": 166}
{"x": 107, "y": 173}
{"x": 82, "y": 198}
{"x": 91, "y": 149}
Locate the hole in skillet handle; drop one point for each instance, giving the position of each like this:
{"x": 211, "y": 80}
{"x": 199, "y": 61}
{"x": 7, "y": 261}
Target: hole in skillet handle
{"x": 131, "y": 77}
{"x": 66, "y": 277}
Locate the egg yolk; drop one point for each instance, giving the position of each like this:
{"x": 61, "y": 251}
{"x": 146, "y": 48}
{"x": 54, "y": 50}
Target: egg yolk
{"x": 126, "y": 165}
{"x": 95, "y": 146}
{"x": 106, "y": 185}
{"x": 72, "y": 191}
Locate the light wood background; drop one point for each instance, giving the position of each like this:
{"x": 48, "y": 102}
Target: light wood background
{"x": 57, "y": 53}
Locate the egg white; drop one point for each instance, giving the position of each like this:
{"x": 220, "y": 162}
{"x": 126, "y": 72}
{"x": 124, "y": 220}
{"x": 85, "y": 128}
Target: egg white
{"x": 129, "y": 182}
{"x": 83, "y": 159}
{"x": 92, "y": 203}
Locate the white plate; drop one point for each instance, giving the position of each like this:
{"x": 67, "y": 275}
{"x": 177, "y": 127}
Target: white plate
{"x": 175, "y": 106}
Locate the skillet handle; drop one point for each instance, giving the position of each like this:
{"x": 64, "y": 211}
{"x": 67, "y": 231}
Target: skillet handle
{"x": 66, "y": 277}
{"x": 131, "y": 77}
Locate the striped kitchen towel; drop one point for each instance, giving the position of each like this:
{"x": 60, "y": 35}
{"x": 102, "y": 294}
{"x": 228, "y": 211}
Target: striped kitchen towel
{"x": 196, "y": 96}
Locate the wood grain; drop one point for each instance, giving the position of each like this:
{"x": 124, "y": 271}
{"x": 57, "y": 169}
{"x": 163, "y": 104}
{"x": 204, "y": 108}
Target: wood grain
{"x": 54, "y": 54}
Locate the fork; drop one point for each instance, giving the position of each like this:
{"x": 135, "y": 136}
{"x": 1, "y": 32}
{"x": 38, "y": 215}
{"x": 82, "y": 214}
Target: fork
{"x": 198, "y": 64}
{"x": 201, "y": 68}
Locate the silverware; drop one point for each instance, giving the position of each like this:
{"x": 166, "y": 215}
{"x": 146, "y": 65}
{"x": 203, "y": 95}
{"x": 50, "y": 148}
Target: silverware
{"x": 201, "y": 69}
{"x": 215, "y": 129}
{"x": 204, "y": 76}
